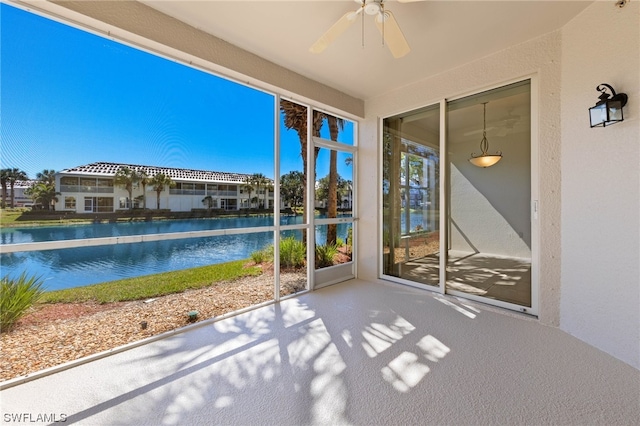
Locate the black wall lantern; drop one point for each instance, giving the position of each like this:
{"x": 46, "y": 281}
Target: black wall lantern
{"x": 608, "y": 110}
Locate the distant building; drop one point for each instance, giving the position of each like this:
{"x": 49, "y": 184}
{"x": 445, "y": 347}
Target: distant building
{"x": 19, "y": 197}
{"x": 91, "y": 189}
{"x": 345, "y": 201}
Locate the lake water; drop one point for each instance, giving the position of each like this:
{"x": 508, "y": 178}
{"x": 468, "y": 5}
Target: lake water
{"x": 76, "y": 267}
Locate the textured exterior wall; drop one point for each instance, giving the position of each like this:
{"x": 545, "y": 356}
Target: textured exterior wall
{"x": 600, "y": 301}
{"x": 539, "y": 57}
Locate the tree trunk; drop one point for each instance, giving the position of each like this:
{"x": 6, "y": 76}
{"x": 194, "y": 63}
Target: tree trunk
{"x": 332, "y": 198}
{"x": 144, "y": 196}
{"x": 13, "y": 195}
{"x": 4, "y": 194}
{"x": 296, "y": 118}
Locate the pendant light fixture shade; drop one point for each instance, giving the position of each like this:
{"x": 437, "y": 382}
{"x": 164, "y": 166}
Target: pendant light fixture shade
{"x": 485, "y": 159}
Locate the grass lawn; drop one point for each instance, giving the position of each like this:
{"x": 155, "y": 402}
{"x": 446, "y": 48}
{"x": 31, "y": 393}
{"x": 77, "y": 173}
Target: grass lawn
{"x": 17, "y": 217}
{"x": 10, "y": 218}
{"x": 152, "y": 285}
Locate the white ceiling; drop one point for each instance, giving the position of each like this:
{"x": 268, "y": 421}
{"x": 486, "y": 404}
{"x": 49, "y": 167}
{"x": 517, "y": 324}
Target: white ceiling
{"x": 442, "y": 35}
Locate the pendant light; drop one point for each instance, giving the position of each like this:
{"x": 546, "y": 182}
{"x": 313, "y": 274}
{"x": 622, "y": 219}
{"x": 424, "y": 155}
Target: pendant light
{"x": 485, "y": 159}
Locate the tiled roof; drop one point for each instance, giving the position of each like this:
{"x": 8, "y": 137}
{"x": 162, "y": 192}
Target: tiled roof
{"x": 110, "y": 169}
{"x": 23, "y": 184}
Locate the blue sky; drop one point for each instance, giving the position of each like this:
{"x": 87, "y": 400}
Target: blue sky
{"x": 70, "y": 98}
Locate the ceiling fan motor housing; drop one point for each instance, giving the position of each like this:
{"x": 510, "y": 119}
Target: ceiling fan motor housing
{"x": 372, "y": 7}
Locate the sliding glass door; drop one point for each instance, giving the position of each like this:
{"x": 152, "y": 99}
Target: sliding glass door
{"x": 489, "y": 239}
{"x": 411, "y": 196}
{"x": 449, "y": 224}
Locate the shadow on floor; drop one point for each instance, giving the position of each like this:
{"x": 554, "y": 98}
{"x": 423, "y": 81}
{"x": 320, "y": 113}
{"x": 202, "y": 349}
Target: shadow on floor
{"x": 496, "y": 277}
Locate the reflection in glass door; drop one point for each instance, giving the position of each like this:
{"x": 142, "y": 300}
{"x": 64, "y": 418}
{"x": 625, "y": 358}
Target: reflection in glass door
{"x": 411, "y": 194}
{"x": 463, "y": 230}
{"x": 489, "y": 253}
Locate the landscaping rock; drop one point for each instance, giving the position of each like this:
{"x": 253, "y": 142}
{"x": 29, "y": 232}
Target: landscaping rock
{"x": 53, "y": 334}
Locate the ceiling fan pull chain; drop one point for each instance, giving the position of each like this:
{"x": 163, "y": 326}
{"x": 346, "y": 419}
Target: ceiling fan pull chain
{"x": 362, "y": 17}
{"x": 382, "y": 17}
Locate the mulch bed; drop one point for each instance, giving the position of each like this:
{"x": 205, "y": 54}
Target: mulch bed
{"x": 54, "y": 334}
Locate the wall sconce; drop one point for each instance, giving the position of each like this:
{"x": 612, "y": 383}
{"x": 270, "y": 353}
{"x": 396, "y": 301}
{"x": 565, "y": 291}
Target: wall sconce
{"x": 608, "y": 110}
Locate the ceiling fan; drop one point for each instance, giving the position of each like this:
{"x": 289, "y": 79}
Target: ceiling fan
{"x": 384, "y": 19}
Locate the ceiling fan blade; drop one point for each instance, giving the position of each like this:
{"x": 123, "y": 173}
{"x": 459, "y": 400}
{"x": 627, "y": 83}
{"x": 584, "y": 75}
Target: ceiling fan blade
{"x": 334, "y": 32}
{"x": 393, "y": 37}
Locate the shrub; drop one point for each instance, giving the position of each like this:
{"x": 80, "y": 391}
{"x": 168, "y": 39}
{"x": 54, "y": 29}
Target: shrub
{"x": 349, "y": 240}
{"x": 325, "y": 254}
{"x": 261, "y": 256}
{"x": 16, "y": 296}
{"x": 292, "y": 253}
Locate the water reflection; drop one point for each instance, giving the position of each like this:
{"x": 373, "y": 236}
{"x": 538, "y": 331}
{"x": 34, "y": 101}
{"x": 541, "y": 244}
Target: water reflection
{"x": 82, "y": 266}
{"x": 75, "y": 267}
{"x": 99, "y": 230}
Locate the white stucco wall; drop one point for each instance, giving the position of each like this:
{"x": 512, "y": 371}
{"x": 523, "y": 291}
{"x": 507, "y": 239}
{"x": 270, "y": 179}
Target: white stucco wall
{"x": 600, "y": 295}
{"x": 539, "y": 58}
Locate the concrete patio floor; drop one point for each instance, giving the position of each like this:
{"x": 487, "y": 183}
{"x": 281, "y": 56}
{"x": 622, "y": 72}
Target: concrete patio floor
{"x": 354, "y": 353}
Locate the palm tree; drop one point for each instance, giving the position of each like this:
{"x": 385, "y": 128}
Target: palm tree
{"x": 261, "y": 181}
{"x": 43, "y": 193}
{"x": 248, "y": 186}
{"x": 161, "y": 181}
{"x": 47, "y": 176}
{"x": 335, "y": 125}
{"x": 127, "y": 178}
{"x": 4, "y": 180}
{"x": 12, "y": 176}
{"x": 295, "y": 117}
{"x": 268, "y": 188}
{"x": 208, "y": 201}
{"x": 144, "y": 181}
{"x": 47, "y": 194}
{"x": 254, "y": 200}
